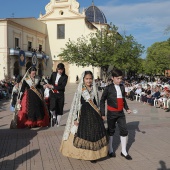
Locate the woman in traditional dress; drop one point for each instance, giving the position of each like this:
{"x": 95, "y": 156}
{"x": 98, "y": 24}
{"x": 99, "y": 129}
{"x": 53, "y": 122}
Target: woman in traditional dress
{"x": 15, "y": 92}
{"x": 33, "y": 111}
{"x": 90, "y": 141}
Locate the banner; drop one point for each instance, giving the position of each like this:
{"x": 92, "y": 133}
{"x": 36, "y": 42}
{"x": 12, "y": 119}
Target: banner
{"x": 22, "y": 58}
{"x": 34, "y": 59}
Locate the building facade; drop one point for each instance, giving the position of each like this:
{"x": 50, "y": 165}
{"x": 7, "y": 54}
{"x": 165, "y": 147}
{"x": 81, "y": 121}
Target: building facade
{"x": 46, "y": 36}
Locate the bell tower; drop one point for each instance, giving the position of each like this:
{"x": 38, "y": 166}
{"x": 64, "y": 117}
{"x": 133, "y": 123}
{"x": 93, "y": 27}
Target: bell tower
{"x": 72, "y": 4}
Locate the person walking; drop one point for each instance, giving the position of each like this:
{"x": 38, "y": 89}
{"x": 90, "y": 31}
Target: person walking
{"x": 90, "y": 141}
{"x": 114, "y": 94}
{"x": 31, "y": 110}
{"x": 57, "y": 83}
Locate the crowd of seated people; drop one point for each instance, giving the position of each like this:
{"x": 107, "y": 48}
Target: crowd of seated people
{"x": 5, "y": 88}
{"x": 154, "y": 94}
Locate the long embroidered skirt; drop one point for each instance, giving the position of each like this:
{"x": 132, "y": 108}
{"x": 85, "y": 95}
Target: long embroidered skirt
{"x": 90, "y": 142}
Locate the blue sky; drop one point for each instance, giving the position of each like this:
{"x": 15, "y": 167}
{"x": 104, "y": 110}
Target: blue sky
{"x": 146, "y": 20}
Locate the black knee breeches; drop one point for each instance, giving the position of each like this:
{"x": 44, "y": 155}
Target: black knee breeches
{"x": 57, "y": 104}
{"x": 119, "y": 117}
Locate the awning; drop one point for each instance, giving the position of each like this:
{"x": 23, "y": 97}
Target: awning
{"x": 27, "y": 53}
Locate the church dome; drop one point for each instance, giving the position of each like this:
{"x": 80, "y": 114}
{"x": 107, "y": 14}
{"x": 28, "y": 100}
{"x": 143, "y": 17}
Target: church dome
{"x": 94, "y": 14}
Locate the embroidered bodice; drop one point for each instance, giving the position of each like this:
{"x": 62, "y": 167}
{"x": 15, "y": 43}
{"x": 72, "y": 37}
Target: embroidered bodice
{"x": 32, "y": 82}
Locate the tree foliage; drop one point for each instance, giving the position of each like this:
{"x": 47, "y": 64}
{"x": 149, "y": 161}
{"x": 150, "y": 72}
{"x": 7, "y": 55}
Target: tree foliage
{"x": 127, "y": 54}
{"x": 103, "y": 49}
{"x": 158, "y": 58}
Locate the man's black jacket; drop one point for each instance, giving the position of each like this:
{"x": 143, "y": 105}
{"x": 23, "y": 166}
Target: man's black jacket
{"x": 110, "y": 94}
{"x": 61, "y": 82}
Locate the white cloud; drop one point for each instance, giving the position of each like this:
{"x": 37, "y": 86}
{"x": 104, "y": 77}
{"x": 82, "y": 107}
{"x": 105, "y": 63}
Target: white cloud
{"x": 146, "y": 21}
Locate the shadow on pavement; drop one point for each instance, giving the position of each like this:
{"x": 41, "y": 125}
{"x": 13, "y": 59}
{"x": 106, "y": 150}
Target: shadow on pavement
{"x": 4, "y": 125}
{"x": 13, "y": 140}
{"x": 163, "y": 166}
{"x": 132, "y": 127}
{"x": 14, "y": 163}
{"x": 5, "y": 116}
{"x": 4, "y": 105}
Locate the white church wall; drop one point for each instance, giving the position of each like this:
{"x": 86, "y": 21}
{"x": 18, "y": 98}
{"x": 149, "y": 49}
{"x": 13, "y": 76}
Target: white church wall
{"x": 78, "y": 70}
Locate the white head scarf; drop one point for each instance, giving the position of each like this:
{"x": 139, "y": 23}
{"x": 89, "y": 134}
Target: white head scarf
{"x": 76, "y": 105}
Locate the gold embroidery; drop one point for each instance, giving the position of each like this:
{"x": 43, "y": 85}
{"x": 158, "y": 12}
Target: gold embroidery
{"x": 94, "y": 106}
{"x": 37, "y": 92}
{"x": 85, "y": 144}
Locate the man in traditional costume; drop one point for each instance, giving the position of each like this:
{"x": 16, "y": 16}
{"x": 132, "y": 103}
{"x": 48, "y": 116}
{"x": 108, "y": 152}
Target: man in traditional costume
{"x": 57, "y": 85}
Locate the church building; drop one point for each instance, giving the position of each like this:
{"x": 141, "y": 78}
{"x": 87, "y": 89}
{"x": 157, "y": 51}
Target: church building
{"x": 30, "y": 41}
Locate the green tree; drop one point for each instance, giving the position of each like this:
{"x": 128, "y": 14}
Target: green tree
{"x": 127, "y": 54}
{"x": 103, "y": 49}
{"x": 158, "y": 58}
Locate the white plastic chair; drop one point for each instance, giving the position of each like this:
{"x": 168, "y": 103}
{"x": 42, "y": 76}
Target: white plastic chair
{"x": 138, "y": 97}
{"x": 155, "y": 102}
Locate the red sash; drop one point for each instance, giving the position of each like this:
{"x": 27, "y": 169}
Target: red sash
{"x": 120, "y": 105}
{"x": 47, "y": 100}
{"x": 56, "y": 91}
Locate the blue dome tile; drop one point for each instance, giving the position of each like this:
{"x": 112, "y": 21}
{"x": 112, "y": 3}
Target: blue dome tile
{"x": 94, "y": 14}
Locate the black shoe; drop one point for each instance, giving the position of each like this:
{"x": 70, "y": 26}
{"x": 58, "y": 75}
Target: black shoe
{"x": 93, "y": 161}
{"x": 112, "y": 154}
{"x": 54, "y": 121}
{"x": 168, "y": 110}
{"x": 128, "y": 157}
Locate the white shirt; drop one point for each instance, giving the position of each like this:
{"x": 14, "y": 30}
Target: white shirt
{"x": 57, "y": 78}
{"x": 102, "y": 84}
{"x": 126, "y": 89}
{"x": 138, "y": 91}
{"x": 46, "y": 92}
{"x": 119, "y": 92}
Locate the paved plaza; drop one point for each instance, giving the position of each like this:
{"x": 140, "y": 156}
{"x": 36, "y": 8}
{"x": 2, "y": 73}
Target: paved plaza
{"x": 38, "y": 148}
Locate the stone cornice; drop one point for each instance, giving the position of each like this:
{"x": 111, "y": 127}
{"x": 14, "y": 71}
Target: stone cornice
{"x": 61, "y": 7}
{"x": 16, "y": 34}
{"x": 26, "y": 29}
{"x": 63, "y": 18}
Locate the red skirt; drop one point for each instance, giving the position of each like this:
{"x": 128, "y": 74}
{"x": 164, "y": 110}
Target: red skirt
{"x": 33, "y": 111}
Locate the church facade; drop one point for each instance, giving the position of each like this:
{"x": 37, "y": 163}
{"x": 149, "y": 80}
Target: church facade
{"x": 30, "y": 41}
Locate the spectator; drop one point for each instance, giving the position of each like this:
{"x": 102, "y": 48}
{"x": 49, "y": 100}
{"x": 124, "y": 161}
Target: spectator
{"x": 146, "y": 94}
{"x": 155, "y": 96}
{"x": 163, "y": 98}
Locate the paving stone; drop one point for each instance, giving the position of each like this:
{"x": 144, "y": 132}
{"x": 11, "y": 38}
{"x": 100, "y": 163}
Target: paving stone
{"x": 38, "y": 148}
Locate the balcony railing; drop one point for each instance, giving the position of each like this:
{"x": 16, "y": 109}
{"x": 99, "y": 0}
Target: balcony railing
{"x": 13, "y": 51}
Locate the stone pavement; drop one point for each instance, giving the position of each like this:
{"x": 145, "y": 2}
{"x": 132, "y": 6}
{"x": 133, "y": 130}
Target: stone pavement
{"x": 38, "y": 148}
